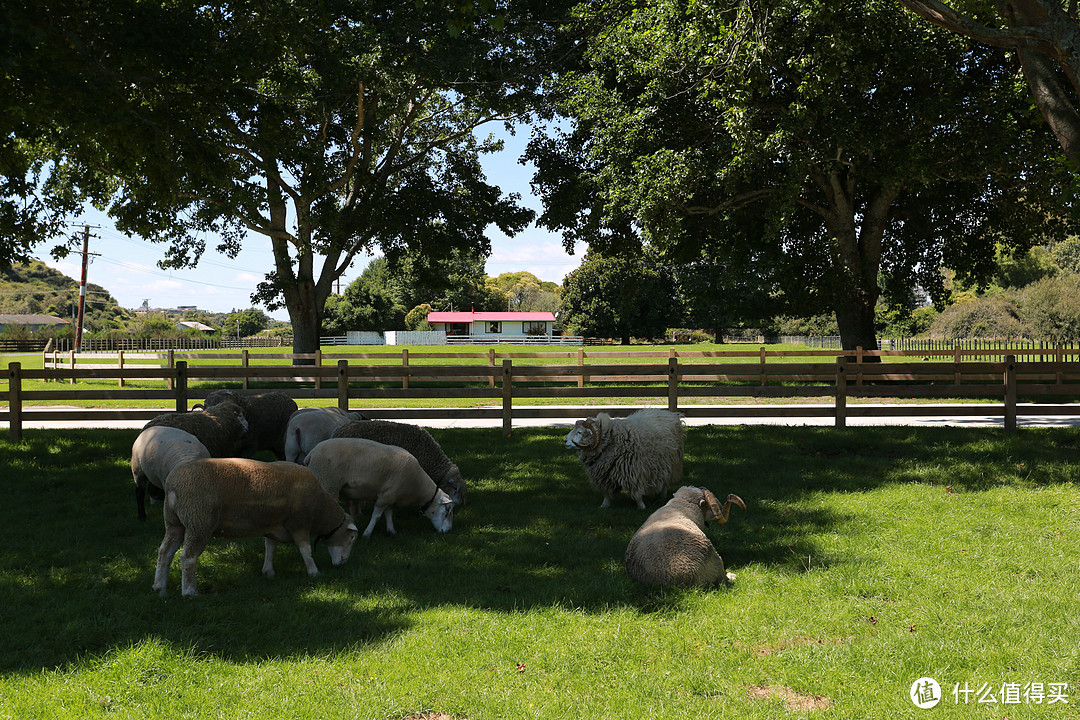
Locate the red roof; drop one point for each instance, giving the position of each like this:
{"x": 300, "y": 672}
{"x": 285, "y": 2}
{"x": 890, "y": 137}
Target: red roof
{"x": 464, "y": 317}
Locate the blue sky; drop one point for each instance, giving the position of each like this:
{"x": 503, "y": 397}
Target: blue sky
{"x": 127, "y": 267}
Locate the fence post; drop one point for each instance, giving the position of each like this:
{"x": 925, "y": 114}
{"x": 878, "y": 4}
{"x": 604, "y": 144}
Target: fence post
{"x": 841, "y": 391}
{"x": 1010, "y": 393}
{"x": 120, "y": 366}
{"x": 673, "y": 383}
{"x": 1057, "y": 359}
{"x": 171, "y": 363}
{"x": 73, "y": 367}
{"x": 491, "y": 363}
{"x": 764, "y": 374}
{"x": 405, "y": 364}
{"x": 507, "y": 396}
{"x": 244, "y": 363}
{"x": 318, "y": 364}
{"x": 181, "y": 386}
{"x": 859, "y": 365}
{"x": 343, "y": 384}
{"x": 15, "y": 401}
{"x": 581, "y": 363}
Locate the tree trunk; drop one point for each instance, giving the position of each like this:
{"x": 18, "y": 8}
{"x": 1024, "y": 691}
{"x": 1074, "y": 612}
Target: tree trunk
{"x": 856, "y": 321}
{"x": 307, "y": 328}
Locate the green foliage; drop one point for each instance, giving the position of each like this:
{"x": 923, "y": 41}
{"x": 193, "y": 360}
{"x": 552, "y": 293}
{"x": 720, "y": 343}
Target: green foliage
{"x": 828, "y": 141}
{"x": 35, "y": 288}
{"x": 897, "y": 321}
{"x": 1051, "y": 309}
{"x": 245, "y": 323}
{"x": 355, "y": 121}
{"x": 416, "y": 319}
{"x": 992, "y": 317}
{"x": 1067, "y": 254}
{"x": 619, "y": 297}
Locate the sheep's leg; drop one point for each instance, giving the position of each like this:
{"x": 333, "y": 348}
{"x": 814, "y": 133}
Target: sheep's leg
{"x": 390, "y": 521}
{"x": 375, "y": 515}
{"x": 268, "y": 559}
{"x": 607, "y": 501}
{"x": 189, "y": 561}
{"x": 174, "y": 537}
{"x": 639, "y": 501}
{"x": 304, "y": 545}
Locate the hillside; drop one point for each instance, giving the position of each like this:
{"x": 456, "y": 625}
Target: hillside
{"x": 27, "y": 288}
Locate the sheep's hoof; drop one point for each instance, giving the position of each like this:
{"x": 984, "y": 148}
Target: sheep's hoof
{"x": 269, "y": 574}
{"x": 728, "y": 579}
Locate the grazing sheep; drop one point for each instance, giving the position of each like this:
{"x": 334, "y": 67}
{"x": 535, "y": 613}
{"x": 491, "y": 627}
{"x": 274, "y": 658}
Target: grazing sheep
{"x": 641, "y": 454}
{"x": 419, "y": 443}
{"x": 237, "y": 497}
{"x": 356, "y": 470}
{"x": 156, "y": 453}
{"x": 268, "y": 415}
{"x": 308, "y": 427}
{"x": 222, "y": 428}
{"x": 670, "y": 548}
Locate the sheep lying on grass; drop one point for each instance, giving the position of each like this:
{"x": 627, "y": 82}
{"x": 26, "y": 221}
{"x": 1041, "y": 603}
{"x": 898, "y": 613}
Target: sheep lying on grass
{"x": 222, "y": 428}
{"x": 671, "y": 549}
{"x": 419, "y": 443}
{"x": 156, "y": 453}
{"x": 308, "y": 427}
{"x": 267, "y": 414}
{"x": 641, "y": 454}
{"x": 237, "y": 497}
{"x": 358, "y": 470}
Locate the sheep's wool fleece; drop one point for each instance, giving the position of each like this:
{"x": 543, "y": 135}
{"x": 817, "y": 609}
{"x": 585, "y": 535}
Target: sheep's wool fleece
{"x": 418, "y": 442}
{"x": 671, "y": 548}
{"x": 236, "y": 497}
{"x": 642, "y": 452}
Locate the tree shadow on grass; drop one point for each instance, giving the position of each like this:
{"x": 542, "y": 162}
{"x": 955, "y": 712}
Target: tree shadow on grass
{"x": 76, "y": 565}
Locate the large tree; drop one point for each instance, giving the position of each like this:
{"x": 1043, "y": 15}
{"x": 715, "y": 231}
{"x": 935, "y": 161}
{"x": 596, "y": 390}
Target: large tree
{"x": 1046, "y": 38}
{"x": 329, "y": 128}
{"x": 618, "y": 297}
{"x": 839, "y": 142}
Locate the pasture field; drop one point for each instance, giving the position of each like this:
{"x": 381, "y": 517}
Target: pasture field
{"x": 867, "y": 558}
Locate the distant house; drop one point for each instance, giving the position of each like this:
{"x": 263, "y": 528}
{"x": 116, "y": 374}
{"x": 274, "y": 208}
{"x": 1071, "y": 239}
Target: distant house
{"x": 493, "y": 325}
{"x": 192, "y": 325}
{"x": 33, "y": 322}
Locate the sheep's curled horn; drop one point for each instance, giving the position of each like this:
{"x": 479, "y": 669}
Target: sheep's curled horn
{"x": 720, "y": 515}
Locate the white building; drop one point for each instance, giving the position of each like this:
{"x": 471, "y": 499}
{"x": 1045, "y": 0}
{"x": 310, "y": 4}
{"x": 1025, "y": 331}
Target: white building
{"x": 493, "y": 326}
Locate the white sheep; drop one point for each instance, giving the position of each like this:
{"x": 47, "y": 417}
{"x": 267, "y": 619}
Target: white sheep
{"x": 641, "y": 454}
{"x": 157, "y": 452}
{"x": 358, "y": 470}
{"x": 420, "y": 444}
{"x": 237, "y": 497}
{"x": 310, "y": 426}
{"x": 671, "y": 549}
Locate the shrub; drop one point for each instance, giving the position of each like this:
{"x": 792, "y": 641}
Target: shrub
{"x": 995, "y": 316}
{"x": 1051, "y": 308}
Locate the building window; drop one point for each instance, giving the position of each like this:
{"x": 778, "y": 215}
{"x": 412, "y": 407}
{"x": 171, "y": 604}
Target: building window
{"x": 494, "y": 327}
{"x": 457, "y": 329}
{"x": 536, "y": 327}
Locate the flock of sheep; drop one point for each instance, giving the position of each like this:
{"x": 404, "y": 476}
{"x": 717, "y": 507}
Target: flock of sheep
{"x": 197, "y": 463}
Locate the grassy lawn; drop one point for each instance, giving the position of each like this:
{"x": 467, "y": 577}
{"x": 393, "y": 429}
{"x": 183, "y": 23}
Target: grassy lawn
{"x": 866, "y": 558}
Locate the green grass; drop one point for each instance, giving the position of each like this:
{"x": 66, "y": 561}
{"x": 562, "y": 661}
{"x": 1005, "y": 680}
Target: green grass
{"x": 866, "y": 559}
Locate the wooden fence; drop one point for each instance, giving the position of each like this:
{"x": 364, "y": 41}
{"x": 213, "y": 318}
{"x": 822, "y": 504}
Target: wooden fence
{"x": 502, "y": 382}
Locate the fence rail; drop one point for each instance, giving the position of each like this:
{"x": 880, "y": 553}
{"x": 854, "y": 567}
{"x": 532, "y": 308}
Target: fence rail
{"x": 835, "y": 378}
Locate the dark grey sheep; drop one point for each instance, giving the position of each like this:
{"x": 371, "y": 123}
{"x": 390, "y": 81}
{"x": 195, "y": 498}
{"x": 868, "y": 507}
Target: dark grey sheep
{"x": 222, "y": 428}
{"x": 267, "y": 414}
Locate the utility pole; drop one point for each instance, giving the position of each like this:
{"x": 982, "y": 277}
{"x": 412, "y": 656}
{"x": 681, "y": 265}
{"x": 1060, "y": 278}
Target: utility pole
{"x": 82, "y": 288}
